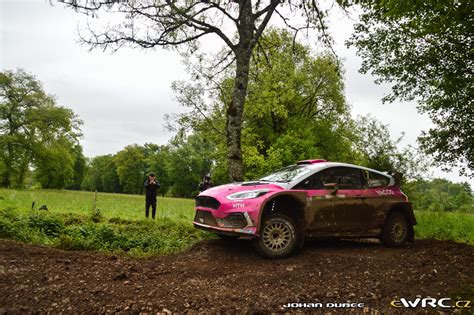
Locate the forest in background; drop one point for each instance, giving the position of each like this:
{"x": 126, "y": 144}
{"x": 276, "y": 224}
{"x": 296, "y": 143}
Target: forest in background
{"x": 296, "y": 109}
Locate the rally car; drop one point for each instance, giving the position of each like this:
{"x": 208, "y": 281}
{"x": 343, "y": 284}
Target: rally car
{"x": 312, "y": 198}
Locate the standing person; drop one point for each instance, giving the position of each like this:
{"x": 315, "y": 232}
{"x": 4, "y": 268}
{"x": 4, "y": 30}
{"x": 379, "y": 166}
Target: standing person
{"x": 206, "y": 183}
{"x": 151, "y": 186}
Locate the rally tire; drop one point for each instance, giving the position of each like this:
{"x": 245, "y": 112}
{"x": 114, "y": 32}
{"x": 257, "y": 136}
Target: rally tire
{"x": 278, "y": 237}
{"x": 397, "y": 230}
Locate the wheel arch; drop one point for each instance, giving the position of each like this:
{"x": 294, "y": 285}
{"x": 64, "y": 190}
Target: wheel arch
{"x": 405, "y": 208}
{"x": 286, "y": 203}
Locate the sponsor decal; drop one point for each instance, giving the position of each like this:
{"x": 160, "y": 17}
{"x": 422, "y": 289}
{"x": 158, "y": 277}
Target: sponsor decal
{"x": 385, "y": 192}
{"x": 428, "y": 302}
{"x": 238, "y": 205}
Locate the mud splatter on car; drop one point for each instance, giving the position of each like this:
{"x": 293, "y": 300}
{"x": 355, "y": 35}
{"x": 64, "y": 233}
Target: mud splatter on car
{"x": 313, "y": 198}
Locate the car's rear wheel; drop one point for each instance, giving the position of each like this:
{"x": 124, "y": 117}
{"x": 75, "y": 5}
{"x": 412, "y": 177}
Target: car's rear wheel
{"x": 228, "y": 237}
{"x": 278, "y": 237}
{"x": 396, "y": 231}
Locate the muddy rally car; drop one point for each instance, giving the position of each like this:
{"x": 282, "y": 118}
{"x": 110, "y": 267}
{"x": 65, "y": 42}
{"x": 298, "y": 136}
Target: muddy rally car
{"x": 311, "y": 199}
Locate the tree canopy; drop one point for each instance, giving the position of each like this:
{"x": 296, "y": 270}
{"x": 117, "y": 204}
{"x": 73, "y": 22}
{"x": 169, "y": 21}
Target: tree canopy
{"x": 423, "y": 48}
{"x": 35, "y": 132}
{"x": 238, "y": 23}
{"x": 296, "y": 110}
{"x": 440, "y": 195}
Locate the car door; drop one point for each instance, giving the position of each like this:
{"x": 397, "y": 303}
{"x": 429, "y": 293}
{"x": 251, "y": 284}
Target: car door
{"x": 320, "y": 215}
{"x": 334, "y": 210}
{"x": 379, "y": 195}
{"x": 352, "y": 210}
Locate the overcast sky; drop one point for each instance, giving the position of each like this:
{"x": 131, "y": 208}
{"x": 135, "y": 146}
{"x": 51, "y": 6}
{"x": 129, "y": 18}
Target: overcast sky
{"x": 122, "y": 97}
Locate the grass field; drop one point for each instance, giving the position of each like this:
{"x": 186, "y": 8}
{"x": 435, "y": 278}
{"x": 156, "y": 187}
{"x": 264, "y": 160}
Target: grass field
{"x": 449, "y": 226}
{"x": 129, "y": 207}
{"x": 119, "y": 226}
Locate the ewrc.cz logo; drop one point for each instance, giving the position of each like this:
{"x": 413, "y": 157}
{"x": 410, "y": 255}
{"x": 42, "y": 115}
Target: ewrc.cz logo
{"x": 430, "y": 302}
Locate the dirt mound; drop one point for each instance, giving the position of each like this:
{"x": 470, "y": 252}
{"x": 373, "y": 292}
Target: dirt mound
{"x": 224, "y": 276}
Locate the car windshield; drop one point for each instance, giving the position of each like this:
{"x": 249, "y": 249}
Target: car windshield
{"x": 286, "y": 174}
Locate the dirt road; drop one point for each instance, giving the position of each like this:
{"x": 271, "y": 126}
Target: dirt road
{"x": 229, "y": 277}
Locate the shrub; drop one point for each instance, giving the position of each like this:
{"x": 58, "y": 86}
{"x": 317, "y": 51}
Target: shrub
{"x": 76, "y": 232}
{"x": 51, "y": 226}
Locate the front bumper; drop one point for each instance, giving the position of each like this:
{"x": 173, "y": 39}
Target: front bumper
{"x": 235, "y": 223}
{"x": 247, "y": 231}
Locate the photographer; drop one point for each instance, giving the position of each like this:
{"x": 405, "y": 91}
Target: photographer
{"x": 151, "y": 187}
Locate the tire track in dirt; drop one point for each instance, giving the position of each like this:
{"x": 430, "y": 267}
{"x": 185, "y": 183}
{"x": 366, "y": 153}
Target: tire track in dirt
{"x": 222, "y": 276}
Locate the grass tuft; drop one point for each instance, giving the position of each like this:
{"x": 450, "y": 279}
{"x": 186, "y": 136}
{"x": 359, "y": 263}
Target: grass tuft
{"x": 118, "y": 227}
{"x": 454, "y": 226}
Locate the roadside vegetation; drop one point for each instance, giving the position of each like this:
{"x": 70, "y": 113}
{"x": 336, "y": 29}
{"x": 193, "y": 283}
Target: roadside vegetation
{"x": 117, "y": 224}
{"x": 446, "y": 226}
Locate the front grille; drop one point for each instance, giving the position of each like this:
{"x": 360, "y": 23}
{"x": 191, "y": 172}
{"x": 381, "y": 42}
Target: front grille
{"x": 235, "y": 220}
{"x": 207, "y": 202}
{"x": 205, "y": 217}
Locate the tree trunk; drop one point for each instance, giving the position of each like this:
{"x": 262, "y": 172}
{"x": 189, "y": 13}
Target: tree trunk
{"x": 23, "y": 169}
{"x": 6, "y": 182}
{"x": 234, "y": 118}
{"x": 243, "y": 53}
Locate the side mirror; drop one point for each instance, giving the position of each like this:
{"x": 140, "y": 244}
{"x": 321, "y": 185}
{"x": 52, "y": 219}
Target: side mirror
{"x": 331, "y": 186}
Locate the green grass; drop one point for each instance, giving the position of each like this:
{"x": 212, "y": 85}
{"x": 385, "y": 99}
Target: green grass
{"x": 453, "y": 226}
{"x": 130, "y": 207}
{"x": 119, "y": 226}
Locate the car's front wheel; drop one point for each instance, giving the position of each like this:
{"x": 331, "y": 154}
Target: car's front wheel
{"x": 278, "y": 237}
{"x": 396, "y": 231}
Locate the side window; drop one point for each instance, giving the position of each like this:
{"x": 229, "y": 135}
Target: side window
{"x": 315, "y": 181}
{"x": 307, "y": 184}
{"x": 376, "y": 180}
{"x": 345, "y": 177}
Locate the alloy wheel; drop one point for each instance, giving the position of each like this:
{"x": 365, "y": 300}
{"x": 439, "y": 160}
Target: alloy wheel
{"x": 276, "y": 236}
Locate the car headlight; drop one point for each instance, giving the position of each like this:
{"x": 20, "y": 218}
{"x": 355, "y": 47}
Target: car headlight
{"x": 247, "y": 194}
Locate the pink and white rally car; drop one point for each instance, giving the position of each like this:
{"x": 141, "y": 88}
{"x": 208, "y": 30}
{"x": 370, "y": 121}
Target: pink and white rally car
{"x": 313, "y": 198}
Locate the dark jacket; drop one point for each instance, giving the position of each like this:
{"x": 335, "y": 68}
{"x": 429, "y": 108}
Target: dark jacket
{"x": 150, "y": 190}
{"x": 205, "y": 186}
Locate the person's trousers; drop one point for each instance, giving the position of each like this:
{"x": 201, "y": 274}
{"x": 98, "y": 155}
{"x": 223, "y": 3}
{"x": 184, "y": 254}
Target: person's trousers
{"x": 152, "y": 203}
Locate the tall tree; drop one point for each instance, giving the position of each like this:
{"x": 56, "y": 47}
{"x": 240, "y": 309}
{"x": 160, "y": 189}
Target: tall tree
{"x": 381, "y": 152}
{"x": 131, "y": 168}
{"x": 80, "y": 165}
{"x": 54, "y": 165}
{"x": 440, "y": 195}
{"x": 34, "y": 131}
{"x": 295, "y": 110}
{"x": 425, "y": 49}
{"x": 238, "y": 23}
{"x": 102, "y": 175}
{"x": 190, "y": 158}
